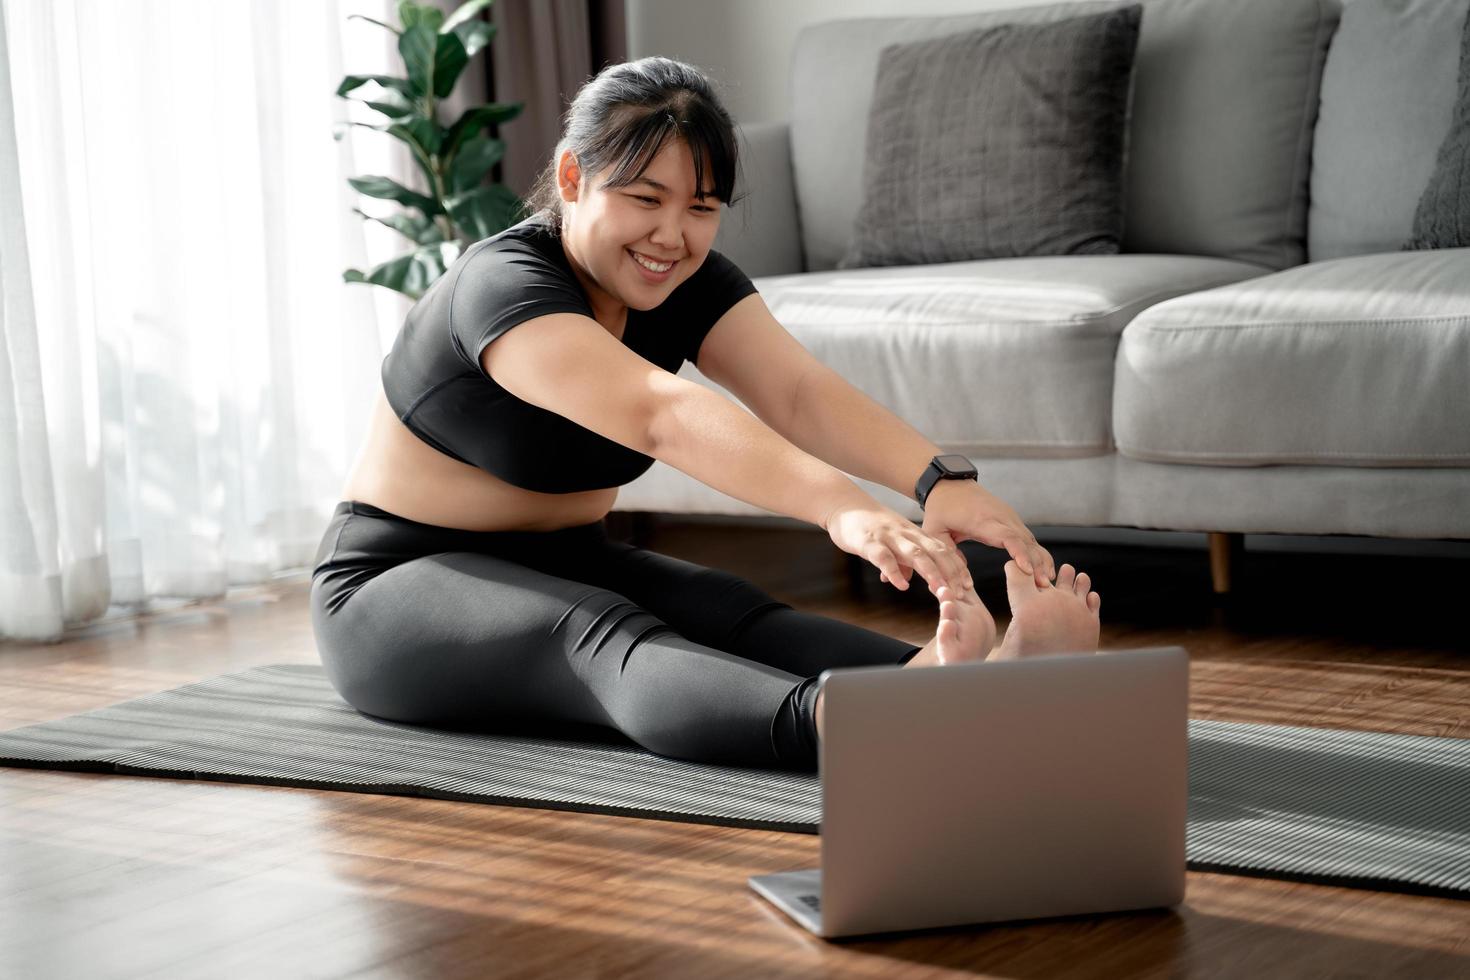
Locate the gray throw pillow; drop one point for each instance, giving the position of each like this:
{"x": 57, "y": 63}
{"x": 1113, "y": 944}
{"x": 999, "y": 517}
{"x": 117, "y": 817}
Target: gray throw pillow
{"x": 1442, "y": 219}
{"x": 1004, "y": 141}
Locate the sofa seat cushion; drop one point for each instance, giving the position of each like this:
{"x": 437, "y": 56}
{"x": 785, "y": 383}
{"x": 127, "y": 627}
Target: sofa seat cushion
{"x": 999, "y": 356}
{"x": 1359, "y": 361}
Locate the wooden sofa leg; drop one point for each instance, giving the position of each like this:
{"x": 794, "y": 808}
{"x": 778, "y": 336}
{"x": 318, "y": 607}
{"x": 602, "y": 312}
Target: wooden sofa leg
{"x": 1225, "y": 550}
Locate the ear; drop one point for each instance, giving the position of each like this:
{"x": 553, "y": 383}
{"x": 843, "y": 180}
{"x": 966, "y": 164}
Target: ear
{"x": 568, "y": 175}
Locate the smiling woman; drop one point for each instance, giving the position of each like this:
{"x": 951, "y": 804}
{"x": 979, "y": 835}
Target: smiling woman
{"x": 466, "y": 578}
{"x": 655, "y": 231}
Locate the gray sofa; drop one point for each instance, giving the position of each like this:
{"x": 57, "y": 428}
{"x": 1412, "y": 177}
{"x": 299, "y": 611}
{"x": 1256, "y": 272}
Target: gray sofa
{"x": 1260, "y": 358}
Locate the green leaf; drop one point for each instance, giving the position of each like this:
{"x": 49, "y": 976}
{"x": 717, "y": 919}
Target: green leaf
{"x": 449, "y": 61}
{"x": 388, "y": 189}
{"x": 410, "y": 274}
{"x": 473, "y": 161}
{"x": 484, "y": 211}
{"x": 412, "y": 15}
{"x": 418, "y": 131}
{"x": 422, "y": 138}
{"x": 434, "y": 60}
{"x": 463, "y": 13}
{"x": 415, "y": 227}
{"x": 387, "y": 27}
{"x": 418, "y": 45}
{"x": 475, "y": 34}
{"x": 478, "y": 118}
{"x": 351, "y": 82}
{"x": 421, "y": 153}
{"x": 392, "y": 110}
{"x": 392, "y": 104}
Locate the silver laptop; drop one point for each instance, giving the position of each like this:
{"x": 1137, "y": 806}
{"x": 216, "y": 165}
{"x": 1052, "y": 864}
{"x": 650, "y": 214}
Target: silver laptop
{"x": 993, "y": 791}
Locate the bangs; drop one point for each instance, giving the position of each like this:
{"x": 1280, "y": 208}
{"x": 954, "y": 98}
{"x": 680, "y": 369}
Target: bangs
{"x": 709, "y": 142}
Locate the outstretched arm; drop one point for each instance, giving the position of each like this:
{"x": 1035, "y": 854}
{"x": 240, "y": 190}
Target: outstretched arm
{"x": 819, "y": 411}
{"x": 567, "y": 363}
{"x": 835, "y": 421}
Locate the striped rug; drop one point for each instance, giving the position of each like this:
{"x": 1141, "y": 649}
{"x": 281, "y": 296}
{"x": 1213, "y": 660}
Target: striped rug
{"x": 1335, "y": 807}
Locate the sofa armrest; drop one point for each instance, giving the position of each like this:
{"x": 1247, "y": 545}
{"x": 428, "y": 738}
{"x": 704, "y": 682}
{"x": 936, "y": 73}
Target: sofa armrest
{"x": 760, "y": 233}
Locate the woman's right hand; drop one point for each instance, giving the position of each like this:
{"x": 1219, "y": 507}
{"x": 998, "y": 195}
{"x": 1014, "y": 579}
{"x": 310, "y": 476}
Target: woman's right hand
{"x": 896, "y": 545}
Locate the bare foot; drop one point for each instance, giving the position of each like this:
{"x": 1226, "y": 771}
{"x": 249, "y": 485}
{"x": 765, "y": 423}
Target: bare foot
{"x": 1061, "y": 618}
{"x": 966, "y": 631}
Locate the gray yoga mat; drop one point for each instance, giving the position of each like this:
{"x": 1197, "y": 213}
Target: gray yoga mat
{"x": 1334, "y": 807}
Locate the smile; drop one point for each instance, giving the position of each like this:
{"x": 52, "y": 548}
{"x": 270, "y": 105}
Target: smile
{"x": 649, "y": 264}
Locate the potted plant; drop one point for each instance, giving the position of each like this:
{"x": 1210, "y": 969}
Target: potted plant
{"x": 458, "y": 206}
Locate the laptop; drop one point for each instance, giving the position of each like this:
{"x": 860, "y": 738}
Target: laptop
{"x": 996, "y": 791}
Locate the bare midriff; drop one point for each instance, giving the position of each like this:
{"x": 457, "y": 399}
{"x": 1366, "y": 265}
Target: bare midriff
{"x": 400, "y": 473}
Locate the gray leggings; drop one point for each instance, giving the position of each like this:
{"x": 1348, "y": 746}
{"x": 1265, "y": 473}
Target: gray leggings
{"x": 569, "y": 632}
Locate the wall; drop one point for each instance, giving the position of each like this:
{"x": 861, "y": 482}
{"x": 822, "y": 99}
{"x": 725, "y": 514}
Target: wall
{"x": 746, "y": 46}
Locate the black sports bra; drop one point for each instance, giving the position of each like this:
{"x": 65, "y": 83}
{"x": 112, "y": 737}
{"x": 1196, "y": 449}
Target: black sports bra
{"x": 433, "y": 379}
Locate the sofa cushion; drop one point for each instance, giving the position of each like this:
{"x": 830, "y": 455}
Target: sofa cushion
{"x": 1359, "y": 361}
{"x": 1225, "y": 96}
{"x": 1442, "y": 219}
{"x": 1009, "y": 357}
{"x": 760, "y": 233}
{"x": 1217, "y": 158}
{"x": 1388, "y": 90}
{"x": 969, "y": 158}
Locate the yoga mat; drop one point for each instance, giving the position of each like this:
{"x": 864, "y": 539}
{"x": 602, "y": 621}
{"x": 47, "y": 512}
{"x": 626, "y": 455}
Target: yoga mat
{"x": 1361, "y": 809}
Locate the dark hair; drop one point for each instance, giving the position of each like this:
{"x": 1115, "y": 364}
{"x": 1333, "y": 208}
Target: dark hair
{"x": 626, "y": 114}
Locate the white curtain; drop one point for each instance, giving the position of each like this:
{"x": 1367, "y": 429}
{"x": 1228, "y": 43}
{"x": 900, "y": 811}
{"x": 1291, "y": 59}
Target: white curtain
{"x": 184, "y": 377}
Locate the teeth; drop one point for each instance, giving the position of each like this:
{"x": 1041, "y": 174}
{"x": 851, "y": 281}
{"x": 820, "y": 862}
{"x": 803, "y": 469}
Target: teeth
{"x": 652, "y": 266}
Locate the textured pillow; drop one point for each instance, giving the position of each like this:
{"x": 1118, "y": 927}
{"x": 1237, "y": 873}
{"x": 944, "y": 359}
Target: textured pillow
{"x": 999, "y": 142}
{"x": 1387, "y": 94}
{"x": 1442, "y": 219}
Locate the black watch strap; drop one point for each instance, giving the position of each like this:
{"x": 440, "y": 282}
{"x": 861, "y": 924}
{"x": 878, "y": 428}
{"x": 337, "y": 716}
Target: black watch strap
{"x": 946, "y": 466}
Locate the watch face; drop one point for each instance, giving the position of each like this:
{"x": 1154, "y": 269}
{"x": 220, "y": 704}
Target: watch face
{"x": 955, "y": 463}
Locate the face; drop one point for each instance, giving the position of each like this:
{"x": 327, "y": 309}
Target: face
{"x": 607, "y": 229}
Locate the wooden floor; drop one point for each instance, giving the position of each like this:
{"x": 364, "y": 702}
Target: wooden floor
{"x": 112, "y": 876}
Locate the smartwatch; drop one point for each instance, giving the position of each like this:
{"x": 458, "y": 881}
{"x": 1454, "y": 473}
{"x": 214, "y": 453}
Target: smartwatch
{"x": 950, "y": 466}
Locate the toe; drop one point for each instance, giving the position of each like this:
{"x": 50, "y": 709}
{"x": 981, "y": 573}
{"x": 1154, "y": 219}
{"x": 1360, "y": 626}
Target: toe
{"x": 1084, "y": 584}
{"x": 1014, "y": 575}
{"x": 1020, "y": 587}
{"x": 1094, "y": 601}
{"x": 1065, "y": 576}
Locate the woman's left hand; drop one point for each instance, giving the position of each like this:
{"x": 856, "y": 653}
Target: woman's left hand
{"x": 965, "y": 511}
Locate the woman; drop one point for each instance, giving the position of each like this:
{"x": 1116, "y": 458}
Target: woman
{"x": 466, "y": 579}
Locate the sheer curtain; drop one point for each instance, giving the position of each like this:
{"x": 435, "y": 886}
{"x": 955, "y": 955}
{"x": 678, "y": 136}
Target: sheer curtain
{"x": 184, "y": 377}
